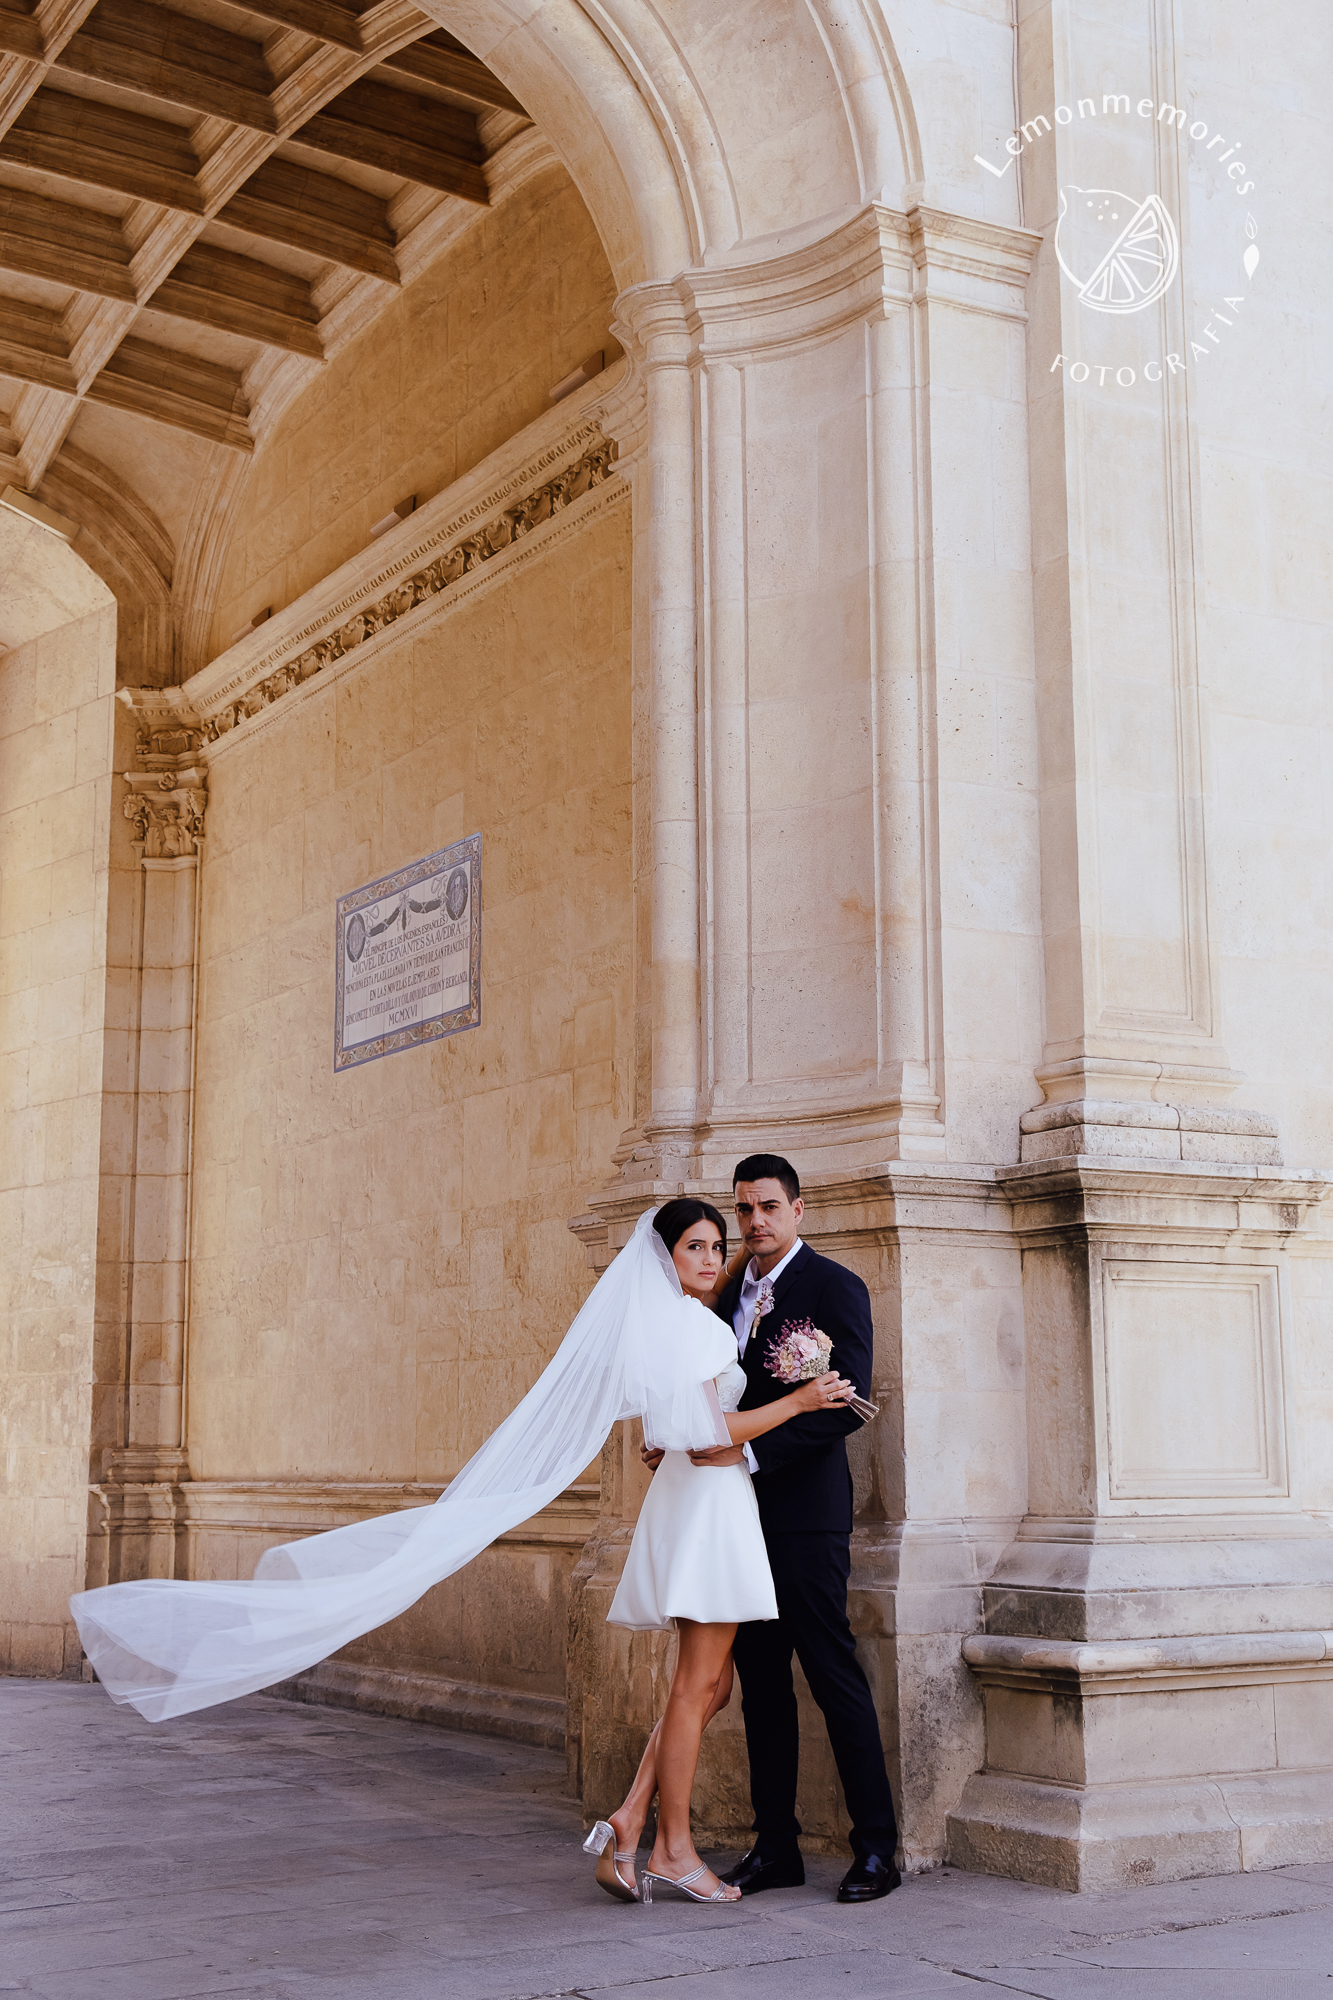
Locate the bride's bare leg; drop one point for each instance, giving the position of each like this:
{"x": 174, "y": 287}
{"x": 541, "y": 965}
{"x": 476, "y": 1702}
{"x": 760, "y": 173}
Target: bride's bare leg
{"x": 702, "y": 1676}
{"x": 629, "y": 1819}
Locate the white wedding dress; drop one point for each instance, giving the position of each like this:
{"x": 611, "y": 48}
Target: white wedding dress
{"x": 637, "y": 1348}
{"x": 698, "y": 1549}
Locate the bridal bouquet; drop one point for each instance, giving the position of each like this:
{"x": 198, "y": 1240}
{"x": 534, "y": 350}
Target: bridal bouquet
{"x": 800, "y": 1352}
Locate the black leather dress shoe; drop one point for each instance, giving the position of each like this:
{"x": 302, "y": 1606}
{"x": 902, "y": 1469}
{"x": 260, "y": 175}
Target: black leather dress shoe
{"x": 754, "y": 1871}
{"x": 868, "y": 1879}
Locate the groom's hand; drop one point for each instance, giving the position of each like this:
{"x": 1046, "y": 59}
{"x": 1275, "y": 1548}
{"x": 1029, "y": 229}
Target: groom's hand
{"x": 651, "y": 1456}
{"x": 719, "y": 1454}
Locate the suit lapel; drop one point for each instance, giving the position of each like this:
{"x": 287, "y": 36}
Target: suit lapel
{"x": 764, "y": 1330}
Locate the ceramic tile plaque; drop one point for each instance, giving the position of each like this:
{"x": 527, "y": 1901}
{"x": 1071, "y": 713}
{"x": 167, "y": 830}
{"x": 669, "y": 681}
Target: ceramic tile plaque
{"x": 409, "y": 956}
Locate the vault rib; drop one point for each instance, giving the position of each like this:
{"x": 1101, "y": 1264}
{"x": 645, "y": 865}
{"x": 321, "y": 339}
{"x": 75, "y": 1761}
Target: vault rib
{"x": 320, "y": 18}
{"x": 65, "y": 244}
{"x": 221, "y": 168}
{"x": 412, "y": 137}
{"x": 284, "y": 202}
{"x": 175, "y": 389}
{"x": 175, "y": 58}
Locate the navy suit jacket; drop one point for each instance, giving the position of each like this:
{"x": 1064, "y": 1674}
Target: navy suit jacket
{"x": 803, "y": 1484}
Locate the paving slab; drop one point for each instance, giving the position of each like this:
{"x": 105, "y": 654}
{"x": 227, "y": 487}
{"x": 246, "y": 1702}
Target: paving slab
{"x": 273, "y": 1851}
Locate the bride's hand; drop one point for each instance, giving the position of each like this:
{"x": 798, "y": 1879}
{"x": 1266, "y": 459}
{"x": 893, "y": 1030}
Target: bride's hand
{"x": 822, "y": 1392}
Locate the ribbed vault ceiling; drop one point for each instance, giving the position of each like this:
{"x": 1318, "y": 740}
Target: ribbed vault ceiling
{"x": 194, "y": 198}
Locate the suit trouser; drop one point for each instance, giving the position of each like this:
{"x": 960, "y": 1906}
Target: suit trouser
{"x": 810, "y": 1575}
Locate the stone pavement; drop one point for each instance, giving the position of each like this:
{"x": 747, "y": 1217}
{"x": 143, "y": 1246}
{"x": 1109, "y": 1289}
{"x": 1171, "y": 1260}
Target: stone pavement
{"x": 287, "y": 1853}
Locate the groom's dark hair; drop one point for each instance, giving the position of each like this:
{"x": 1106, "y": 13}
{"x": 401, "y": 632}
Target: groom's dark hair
{"x": 769, "y": 1167}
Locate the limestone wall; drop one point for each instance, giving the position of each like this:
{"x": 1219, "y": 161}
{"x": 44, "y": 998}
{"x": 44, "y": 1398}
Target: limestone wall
{"x": 464, "y": 357}
{"x": 381, "y": 1258}
{"x": 56, "y": 723}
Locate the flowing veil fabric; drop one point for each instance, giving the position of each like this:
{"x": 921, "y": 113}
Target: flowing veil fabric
{"x": 638, "y": 1347}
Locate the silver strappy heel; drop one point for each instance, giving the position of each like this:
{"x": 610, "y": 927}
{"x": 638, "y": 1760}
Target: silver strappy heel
{"x": 602, "y": 1842}
{"x": 647, "y": 1882}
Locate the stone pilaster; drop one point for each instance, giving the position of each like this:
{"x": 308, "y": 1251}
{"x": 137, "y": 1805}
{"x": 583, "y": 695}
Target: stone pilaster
{"x": 137, "y": 1516}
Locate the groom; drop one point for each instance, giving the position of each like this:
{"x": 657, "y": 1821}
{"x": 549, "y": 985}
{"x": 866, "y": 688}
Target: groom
{"x": 804, "y": 1490}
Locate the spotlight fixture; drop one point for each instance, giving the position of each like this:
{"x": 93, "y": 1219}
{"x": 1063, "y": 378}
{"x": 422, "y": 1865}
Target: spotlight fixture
{"x": 259, "y": 619}
{"x": 400, "y": 513}
{"x": 583, "y": 373}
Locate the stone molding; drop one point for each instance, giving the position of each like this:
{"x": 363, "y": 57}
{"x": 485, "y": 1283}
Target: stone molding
{"x": 513, "y": 504}
{"x": 1123, "y": 1836}
{"x": 293, "y": 1507}
{"x": 147, "y": 1501}
{"x": 1135, "y": 1666}
{"x": 504, "y": 527}
{"x": 1245, "y": 1203}
{"x": 877, "y": 261}
{"x": 1084, "y": 1126}
{"x": 879, "y": 1204}
{"x": 449, "y": 1704}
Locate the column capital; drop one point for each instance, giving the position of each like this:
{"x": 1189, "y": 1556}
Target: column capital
{"x": 166, "y": 809}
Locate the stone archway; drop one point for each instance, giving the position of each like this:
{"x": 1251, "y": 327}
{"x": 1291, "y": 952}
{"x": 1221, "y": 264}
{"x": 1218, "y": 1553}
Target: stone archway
{"x": 654, "y": 124}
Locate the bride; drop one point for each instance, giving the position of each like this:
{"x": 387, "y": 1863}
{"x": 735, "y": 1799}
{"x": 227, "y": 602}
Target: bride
{"x": 644, "y": 1344}
{"x": 697, "y": 1561}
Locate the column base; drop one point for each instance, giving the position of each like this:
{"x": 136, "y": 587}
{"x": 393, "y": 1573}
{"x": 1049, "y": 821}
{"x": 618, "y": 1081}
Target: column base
{"x": 1146, "y": 1761}
{"x": 137, "y": 1515}
{"x": 1123, "y": 1837}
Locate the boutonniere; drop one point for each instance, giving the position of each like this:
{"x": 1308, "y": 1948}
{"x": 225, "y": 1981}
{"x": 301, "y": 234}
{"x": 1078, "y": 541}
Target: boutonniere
{"x": 763, "y": 1302}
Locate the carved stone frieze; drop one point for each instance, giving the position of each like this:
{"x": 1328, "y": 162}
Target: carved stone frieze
{"x": 500, "y": 532}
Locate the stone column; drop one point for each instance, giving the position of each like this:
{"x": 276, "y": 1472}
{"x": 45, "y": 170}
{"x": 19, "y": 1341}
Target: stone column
{"x": 138, "y": 1495}
{"x": 830, "y": 387}
{"x": 1158, "y": 1700}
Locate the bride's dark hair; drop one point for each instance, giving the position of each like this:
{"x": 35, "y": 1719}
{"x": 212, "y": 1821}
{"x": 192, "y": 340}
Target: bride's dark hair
{"x": 675, "y": 1217}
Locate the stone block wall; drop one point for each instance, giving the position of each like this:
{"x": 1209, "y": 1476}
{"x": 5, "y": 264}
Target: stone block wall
{"x": 381, "y": 1257}
{"x": 57, "y": 711}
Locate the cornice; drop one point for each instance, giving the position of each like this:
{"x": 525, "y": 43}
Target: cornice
{"x": 876, "y": 261}
{"x": 509, "y": 505}
{"x": 1137, "y": 1666}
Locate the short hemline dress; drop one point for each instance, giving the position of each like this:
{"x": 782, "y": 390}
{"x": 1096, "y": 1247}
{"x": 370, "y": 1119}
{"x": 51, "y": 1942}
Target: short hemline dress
{"x": 698, "y": 1548}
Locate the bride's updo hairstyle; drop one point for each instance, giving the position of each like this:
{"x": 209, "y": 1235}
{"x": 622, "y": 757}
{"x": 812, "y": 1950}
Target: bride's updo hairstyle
{"x": 675, "y": 1217}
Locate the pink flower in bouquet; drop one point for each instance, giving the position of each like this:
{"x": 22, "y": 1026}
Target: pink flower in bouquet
{"x": 798, "y": 1352}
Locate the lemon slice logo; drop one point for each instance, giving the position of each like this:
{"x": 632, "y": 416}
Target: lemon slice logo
{"x": 1119, "y": 254}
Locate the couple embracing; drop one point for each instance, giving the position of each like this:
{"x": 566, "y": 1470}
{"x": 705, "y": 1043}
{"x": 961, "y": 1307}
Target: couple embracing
{"x": 743, "y": 1543}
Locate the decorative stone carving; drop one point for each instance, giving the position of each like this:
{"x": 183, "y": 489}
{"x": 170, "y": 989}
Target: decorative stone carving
{"x": 172, "y": 741}
{"x": 169, "y": 827}
{"x": 592, "y": 469}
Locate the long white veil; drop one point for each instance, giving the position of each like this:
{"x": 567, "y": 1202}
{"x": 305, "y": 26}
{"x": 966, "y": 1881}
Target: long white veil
{"x": 638, "y": 1347}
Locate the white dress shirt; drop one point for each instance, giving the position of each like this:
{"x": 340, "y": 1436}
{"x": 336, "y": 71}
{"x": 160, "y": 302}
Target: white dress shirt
{"x": 743, "y": 1318}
